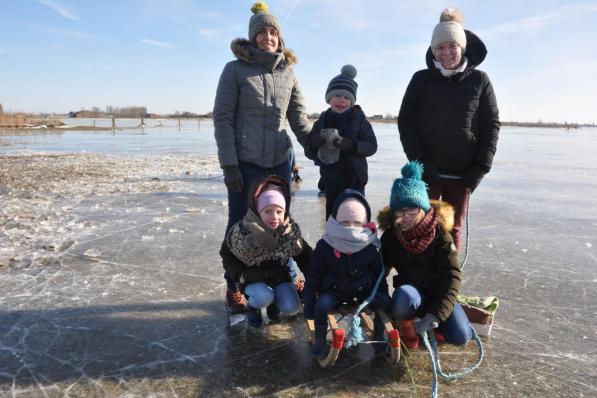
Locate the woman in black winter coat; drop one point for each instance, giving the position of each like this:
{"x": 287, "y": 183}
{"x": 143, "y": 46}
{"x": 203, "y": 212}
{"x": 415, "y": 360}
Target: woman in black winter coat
{"x": 449, "y": 117}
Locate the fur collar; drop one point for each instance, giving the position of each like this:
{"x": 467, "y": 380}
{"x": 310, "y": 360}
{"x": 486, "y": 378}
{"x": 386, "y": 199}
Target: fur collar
{"x": 241, "y": 52}
{"x": 444, "y": 210}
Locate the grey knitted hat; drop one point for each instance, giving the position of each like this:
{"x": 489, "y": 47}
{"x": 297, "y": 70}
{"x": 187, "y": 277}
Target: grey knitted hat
{"x": 449, "y": 29}
{"x": 260, "y": 19}
{"x": 343, "y": 84}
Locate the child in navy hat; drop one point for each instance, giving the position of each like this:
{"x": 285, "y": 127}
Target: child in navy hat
{"x": 344, "y": 267}
{"x": 342, "y": 139}
{"x": 417, "y": 242}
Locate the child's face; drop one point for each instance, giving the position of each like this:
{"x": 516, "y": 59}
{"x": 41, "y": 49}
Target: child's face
{"x": 339, "y": 103}
{"x": 405, "y": 219}
{"x": 272, "y": 216}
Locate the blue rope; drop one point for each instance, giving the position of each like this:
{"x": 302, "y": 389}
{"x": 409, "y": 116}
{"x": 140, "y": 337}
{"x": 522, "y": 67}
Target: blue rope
{"x": 355, "y": 332}
{"x": 431, "y": 345}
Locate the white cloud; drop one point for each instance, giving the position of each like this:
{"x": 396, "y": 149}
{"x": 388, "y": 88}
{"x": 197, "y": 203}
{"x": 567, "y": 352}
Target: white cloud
{"x": 60, "y": 9}
{"x": 156, "y": 43}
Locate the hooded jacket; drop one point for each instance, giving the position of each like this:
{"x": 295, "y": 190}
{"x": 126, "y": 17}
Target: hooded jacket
{"x": 350, "y": 171}
{"x": 256, "y": 94}
{"x": 349, "y": 277}
{"x": 451, "y": 124}
{"x": 252, "y": 252}
{"x": 436, "y": 271}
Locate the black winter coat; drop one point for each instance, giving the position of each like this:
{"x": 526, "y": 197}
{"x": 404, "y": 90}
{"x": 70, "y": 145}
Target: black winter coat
{"x": 451, "y": 124}
{"x": 436, "y": 271}
{"x": 350, "y": 171}
{"x": 350, "y": 278}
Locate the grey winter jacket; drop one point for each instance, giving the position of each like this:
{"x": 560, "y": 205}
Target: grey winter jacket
{"x": 256, "y": 94}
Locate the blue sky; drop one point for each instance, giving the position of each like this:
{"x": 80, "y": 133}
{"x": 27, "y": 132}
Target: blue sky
{"x": 62, "y": 55}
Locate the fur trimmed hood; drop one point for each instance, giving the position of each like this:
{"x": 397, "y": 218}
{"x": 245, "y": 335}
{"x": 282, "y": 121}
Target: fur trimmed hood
{"x": 444, "y": 210}
{"x": 240, "y": 50}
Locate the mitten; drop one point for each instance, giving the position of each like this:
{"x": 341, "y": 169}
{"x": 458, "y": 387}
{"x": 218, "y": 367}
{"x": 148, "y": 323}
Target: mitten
{"x": 233, "y": 178}
{"x": 428, "y": 322}
{"x": 472, "y": 177}
{"x": 316, "y": 141}
{"x": 345, "y": 144}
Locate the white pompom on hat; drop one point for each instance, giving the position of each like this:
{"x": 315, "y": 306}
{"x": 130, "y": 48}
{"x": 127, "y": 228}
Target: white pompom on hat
{"x": 449, "y": 29}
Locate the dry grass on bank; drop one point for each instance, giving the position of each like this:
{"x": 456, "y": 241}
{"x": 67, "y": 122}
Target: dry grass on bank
{"x": 22, "y": 120}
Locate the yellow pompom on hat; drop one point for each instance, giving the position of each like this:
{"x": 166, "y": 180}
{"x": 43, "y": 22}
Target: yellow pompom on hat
{"x": 260, "y": 19}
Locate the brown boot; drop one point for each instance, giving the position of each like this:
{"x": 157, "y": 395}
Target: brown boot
{"x": 235, "y": 302}
{"x": 408, "y": 336}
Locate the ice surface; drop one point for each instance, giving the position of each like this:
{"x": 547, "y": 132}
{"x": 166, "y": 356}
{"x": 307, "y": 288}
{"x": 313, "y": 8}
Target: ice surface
{"x": 145, "y": 316}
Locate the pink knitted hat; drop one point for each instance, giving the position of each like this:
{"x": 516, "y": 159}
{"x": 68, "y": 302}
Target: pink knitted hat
{"x": 351, "y": 210}
{"x": 270, "y": 197}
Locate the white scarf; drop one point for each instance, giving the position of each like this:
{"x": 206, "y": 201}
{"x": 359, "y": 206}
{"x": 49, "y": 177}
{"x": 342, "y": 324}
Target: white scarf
{"x": 451, "y": 72}
{"x": 349, "y": 239}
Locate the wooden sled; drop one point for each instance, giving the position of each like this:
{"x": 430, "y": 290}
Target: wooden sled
{"x": 335, "y": 345}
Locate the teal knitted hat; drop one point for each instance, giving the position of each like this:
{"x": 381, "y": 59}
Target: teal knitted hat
{"x": 410, "y": 190}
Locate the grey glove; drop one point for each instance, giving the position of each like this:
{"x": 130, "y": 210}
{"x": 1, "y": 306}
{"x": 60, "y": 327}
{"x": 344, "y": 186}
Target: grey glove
{"x": 345, "y": 144}
{"x": 330, "y": 134}
{"x": 233, "y": 178}
{"x": 428, "y": 322}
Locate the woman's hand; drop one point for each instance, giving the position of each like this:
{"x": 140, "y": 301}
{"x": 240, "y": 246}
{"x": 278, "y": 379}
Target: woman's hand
{"x": 233, "y": 178}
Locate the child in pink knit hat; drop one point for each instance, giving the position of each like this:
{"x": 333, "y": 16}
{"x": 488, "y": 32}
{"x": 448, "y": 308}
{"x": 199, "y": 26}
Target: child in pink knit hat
{"x": 257, "y": 249}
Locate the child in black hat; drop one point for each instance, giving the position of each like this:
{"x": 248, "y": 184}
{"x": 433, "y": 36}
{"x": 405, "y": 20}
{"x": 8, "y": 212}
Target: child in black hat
{"x": 342, "y": 139}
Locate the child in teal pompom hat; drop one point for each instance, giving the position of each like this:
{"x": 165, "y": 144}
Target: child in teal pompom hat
{"x": 417, "y": 242}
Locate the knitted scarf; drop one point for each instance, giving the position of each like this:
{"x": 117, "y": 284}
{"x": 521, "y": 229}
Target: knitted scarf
{"x": 349, "y": 239}
{"x": 416, "y": 239}
{"x": 252, "y": 242}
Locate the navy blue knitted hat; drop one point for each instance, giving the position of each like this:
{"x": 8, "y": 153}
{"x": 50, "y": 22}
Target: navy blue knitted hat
{"x": 410, "y": 190}
{"x": 343, "y": 85}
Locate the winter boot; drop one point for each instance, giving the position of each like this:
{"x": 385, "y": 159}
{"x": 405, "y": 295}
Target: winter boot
{"x": 408, "y": 335}
{"x": 318, "y": 349}
{"x": 235, "y": 301}
{"x": 254, "y": 317}
{"x": 273, "y": 312}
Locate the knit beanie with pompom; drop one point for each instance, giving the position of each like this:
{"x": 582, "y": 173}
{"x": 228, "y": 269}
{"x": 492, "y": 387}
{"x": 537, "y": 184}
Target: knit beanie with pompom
{"x": 449, "y": 29}
{"x": 343, "y": 85}
{"x": 410, "y": 190}
{"x": 260, "y": 19}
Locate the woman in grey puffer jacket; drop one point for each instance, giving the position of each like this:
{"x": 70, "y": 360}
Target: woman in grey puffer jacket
{"x": 256, "y": 93}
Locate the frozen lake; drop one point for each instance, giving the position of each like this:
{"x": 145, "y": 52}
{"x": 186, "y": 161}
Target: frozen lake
{"x": 143, "y": 314}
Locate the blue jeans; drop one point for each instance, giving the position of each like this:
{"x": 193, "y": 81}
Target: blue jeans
{"x": 261, "y": 295}
{"x": 237, "y": 201}
{"x": 406, "y": 299}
